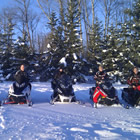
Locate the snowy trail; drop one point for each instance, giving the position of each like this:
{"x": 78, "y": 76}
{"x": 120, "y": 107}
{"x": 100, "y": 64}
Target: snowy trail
{"x": 69, "y": 121}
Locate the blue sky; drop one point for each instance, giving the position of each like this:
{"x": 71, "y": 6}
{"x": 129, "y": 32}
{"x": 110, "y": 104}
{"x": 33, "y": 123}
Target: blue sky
{"x": 42, "y": 24}
{"x": 12, "y": 3}
{"x": 5, "y": 3}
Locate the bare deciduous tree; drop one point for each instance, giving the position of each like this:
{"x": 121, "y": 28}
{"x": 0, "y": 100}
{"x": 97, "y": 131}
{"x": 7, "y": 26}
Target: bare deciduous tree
{"x": 23, "y": 8}
{"x": 47, "y": 6}
{"x": 109, "y": 9}
{"x": 27, "y": 20}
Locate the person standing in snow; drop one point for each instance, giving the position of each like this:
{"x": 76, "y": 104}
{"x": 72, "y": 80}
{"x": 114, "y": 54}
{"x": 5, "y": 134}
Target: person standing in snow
{"x": 100, "y": 76}
{"x": 134, "y": 79}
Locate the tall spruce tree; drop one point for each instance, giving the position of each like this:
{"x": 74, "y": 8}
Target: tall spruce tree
{"x": 135, "y": 33}
{"x": 7, "y": 47}
{"x": 110, "y": 51}
{"x": 56, "y": 47}
{"x": 72, "y": 36}
{"x": 129, "y": 41}
{"x": 124, "y": 35}
{"x": 95, "y": 43}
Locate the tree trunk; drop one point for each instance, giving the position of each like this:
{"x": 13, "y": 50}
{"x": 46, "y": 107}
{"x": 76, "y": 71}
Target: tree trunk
{"x": 27, "y": 25}
{"x": 87, "y": 23}
{"x": 105, "y": 25}
{"x": 80, "y": 22}
{"x": 62, "y": 15}
{"x": 92, "y": 1}
{"x": 48, "y": 17}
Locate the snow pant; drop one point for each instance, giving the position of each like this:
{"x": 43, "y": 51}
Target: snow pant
{"x": 134, "y": 94}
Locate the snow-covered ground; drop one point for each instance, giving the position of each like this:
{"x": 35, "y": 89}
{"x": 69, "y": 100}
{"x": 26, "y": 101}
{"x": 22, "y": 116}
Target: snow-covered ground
{"x": 68, "y": 121}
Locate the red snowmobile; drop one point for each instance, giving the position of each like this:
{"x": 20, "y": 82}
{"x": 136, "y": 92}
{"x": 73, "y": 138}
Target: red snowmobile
{"x": 104, "y": 94}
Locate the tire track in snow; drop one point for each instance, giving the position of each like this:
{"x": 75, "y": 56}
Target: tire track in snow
{"x": 2, "y": 121}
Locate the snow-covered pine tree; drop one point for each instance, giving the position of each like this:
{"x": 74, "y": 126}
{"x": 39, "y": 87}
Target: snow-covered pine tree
{"x": 129, "y": 41}
{"x": 55, "y": 49}
{"x": 21, "y": 49}
{"x": 110, "y": 51}
{"x": 123, "y": 50}
{"x": 135, "y": 32}
{"x": 56, "y": 46}
{"x": 95, "y": 44}
{"x": 72, "y": 37}
{"x": 7, "y": 45}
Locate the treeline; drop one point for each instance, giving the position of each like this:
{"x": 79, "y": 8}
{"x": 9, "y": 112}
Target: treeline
{"x": 80, "y": 34}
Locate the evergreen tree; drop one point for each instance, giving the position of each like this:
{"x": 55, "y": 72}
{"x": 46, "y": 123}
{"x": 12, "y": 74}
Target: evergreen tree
{"x": 7, "y": 45}
{"x": 129, "y": 40}
{"x": 72, "y": 36}
{"x": 110, "y": 51}
{"x": 56, "y": 48}
{"x": 125, "y": 64}
{"x": 95, "y": 43}
{"x": 135, "y": 33}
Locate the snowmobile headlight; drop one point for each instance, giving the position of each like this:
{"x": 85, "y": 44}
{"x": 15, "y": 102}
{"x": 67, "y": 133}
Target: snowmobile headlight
{"x": 62, "y": 86}
{"x": 58, "y": 89}
{"x": 105, "y": 87}
{"x": 22, "y": 85}
{"x": 11, "y": 90}
{"x": 110, "y": 87}
{"x": 17, "y": 85}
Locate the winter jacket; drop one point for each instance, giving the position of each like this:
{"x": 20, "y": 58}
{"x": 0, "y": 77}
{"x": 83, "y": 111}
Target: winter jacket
{"x": 100, "y": 77}
{"x": 134, "y": 79}
{"x": 56, "y": 78}
{"x": 21, "y": 77}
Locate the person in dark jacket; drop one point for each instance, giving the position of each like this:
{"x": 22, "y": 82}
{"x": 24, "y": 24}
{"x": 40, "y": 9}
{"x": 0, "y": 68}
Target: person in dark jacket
{"x": 21, "y": 76}
{"x": 57, "y": 75}
{"x": 134, "y": 79}
{"x": 100, "y": 76}
{"x": 22, "y": 80}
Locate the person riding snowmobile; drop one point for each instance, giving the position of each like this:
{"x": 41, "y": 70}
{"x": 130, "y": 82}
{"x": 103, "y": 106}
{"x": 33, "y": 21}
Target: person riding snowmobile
{"x": 22, "y": 79}
{"x": 104, "y": 92}
{"x": 57, "y": 75}
{"x": 134, "y": 80}
{"x": 132, "y": 93}
{"x": 100, "y": 76}
{"x": 19, "y": 92}
{"x": 62, "y": 86}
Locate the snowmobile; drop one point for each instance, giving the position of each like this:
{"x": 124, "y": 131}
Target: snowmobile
{"x": 63, "y": 91}
{"x": 18, "y": 94}
{"x": 104, "y": 94}
{"x": 131, "y": 96}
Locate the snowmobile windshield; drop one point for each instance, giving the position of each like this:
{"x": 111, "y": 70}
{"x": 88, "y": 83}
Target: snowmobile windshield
{"x": 65, "y": 81}
{"x": 106, "y": 85}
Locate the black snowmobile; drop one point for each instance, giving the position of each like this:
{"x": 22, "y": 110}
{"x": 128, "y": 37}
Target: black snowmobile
{"x": 63, "y": 91}
{"x": 104, "y": 94}
{"x": 18, "y": 94}
{"x": 131, "y": 96}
